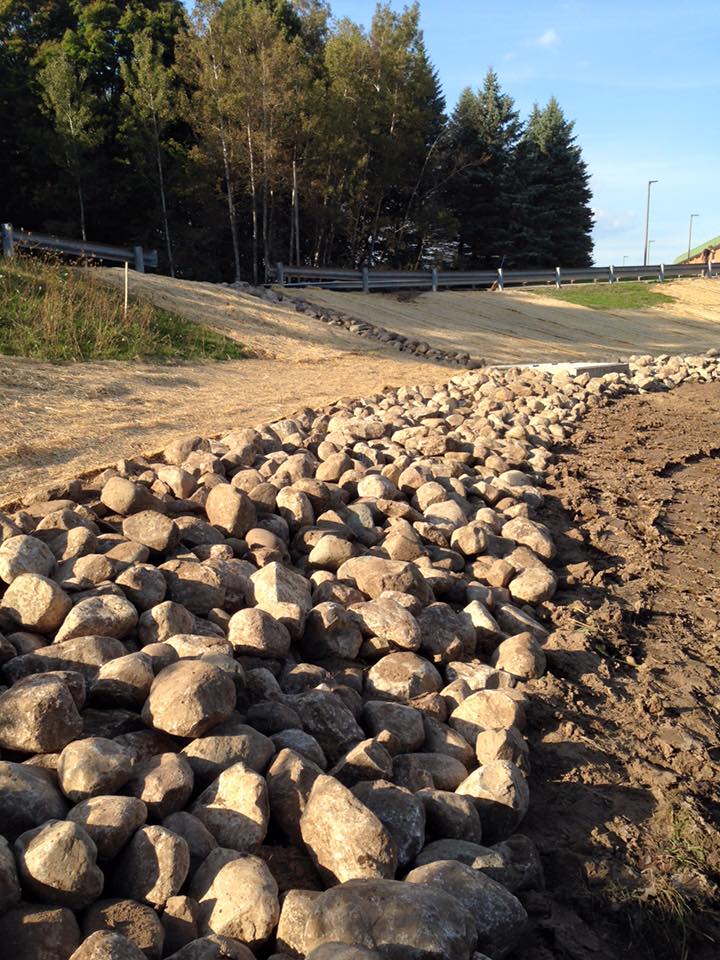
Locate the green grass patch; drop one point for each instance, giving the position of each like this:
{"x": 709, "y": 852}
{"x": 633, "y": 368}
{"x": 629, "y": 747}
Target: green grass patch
{"x": 49, "y": 311}
{"x": 626, "y": 295}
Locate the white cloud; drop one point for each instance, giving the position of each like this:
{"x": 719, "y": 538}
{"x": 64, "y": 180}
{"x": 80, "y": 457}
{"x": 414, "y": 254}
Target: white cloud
{"x": 548, "y": 39}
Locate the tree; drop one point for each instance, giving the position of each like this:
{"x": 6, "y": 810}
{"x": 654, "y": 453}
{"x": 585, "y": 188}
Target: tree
{"x": 151, "y": 99}
{"x": 483, "y": 135}
{"x": 72, "y": 109}
{"x": 553, "y": 217}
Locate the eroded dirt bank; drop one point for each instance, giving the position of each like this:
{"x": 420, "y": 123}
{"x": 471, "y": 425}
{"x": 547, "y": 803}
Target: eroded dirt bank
{"x": 625, "y": 774}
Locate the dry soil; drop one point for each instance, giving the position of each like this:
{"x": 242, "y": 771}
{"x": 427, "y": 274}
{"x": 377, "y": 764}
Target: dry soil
{"x": 625, "y": 784}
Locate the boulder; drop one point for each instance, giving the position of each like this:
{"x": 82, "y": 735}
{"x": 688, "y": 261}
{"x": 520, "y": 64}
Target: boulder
{"x": 400, "y": 812}
{"x": 228, "y": 743}
{"x": 254, "y": 632}
{"x": 35, "y": 603}
{"x": 38, "y": 715}
{"x": 153, "y": 866}
{"x": 29, "y": 932}
{"x": 138, "y": 922}
{"x": 163, "y": 782}
{"x": 56, "y": 864}
{"x": 24, "y": 554}
{"x": 402, "y": 677}
{"x": 93, "y": 766}
{"x": 501, "y": 795}
{"x": 235, "y": 809}
{"x": 188, "y": 698}
{"x": 284, "y": 594}
{"x": 109, "y": 822}
{"x": 28, "y": 798}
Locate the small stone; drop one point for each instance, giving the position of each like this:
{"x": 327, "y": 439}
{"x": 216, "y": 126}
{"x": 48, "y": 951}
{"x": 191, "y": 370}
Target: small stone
{"x": 373, "y": 576}
{"x": 28, "y": 798}
{"x": 56, "y": 863}
{"x": 325, "y": 717}
{"x": 367, "y": 760}
{"x": 125, "y": 497}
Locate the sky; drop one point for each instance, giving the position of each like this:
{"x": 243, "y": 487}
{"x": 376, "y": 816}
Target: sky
{"x": 641, "y": 81}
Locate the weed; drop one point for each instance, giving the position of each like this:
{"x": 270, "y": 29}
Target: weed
{"x": 627, "y": 295}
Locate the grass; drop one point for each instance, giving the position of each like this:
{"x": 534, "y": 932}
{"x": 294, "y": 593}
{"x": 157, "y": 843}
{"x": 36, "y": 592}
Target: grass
{"x": 626, "y": 295}
{"x": 49, "y": 311}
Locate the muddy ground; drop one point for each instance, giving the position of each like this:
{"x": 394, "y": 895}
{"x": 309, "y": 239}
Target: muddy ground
{"x": 625, "y": 784}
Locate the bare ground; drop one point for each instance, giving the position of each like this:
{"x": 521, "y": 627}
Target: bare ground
{"x": 521, "y": 326}
{"x": 59, "y": 420}
{"x": 624, "y": 791}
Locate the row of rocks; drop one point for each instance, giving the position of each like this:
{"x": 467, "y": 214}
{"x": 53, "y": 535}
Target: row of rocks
{"x": 266, "y": 694}
{"x": 362, "y": 328}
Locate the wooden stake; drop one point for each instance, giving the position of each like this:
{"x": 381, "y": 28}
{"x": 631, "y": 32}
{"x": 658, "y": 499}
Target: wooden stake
{"x": 126, "y": 288}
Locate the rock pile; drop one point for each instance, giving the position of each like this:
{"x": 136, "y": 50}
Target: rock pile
{"x": 265, "y": 695}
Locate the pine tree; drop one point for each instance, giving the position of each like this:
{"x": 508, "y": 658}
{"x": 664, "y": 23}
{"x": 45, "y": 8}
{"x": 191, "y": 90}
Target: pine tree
{"x": 553, "y": 216}
{"x": 483, "y": 135}
{"x": 151, "y": 100}
{"x": 72, "y": 108}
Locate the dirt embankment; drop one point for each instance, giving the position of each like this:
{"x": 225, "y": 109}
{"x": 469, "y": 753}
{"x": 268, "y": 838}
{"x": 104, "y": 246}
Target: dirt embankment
{"x": 61, "y": 419}
{"x": 624, "y": 735}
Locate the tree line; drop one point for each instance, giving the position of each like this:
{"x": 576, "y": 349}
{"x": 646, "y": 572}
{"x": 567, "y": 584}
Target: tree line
{"x": 244, "y": 132}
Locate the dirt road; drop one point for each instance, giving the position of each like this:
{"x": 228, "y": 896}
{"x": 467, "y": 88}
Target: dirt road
{"x": 519, "y": 326}
{"x": 624, "y": 734}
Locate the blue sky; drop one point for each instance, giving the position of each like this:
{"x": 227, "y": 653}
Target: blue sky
{"x": 640, "y": 79}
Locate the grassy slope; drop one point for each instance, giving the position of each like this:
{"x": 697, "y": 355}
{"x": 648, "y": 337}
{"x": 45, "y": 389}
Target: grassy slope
{"x": 49, "y": 311}
{"x": 627, "y": 295}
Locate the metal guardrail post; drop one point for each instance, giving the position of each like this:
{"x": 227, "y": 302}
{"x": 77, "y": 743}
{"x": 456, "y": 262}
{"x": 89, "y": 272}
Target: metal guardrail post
{"x": 280, "y": 274}
{"x": 365, "y": 280}
{"x": 8, "y": 247}
{"x": 501, "y": 280}
{"x": 434, "y": 280}
{"x": 611, "y": 274}
{"x": 139, "y": 259}
{"x": 558, "y": 281}
{"x": 662, "y": 272}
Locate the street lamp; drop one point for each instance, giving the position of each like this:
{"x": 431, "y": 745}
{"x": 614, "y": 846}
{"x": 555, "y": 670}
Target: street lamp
{"x": 692, "y": 217}
{"x": 647, "y": 222}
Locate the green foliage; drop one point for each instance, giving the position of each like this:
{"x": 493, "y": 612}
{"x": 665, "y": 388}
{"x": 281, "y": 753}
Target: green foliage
{"x": 626, "y": 295}
{"x": 52, "y": 312}
{"x": 211, "y": 132}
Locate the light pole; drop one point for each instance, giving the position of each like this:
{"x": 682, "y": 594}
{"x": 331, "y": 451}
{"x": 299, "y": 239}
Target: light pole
{"x": 650, "y": 243}
{"x": 625, "y": 256}
{"x": 647, "y": 222}
{"x": 692, "y": 217}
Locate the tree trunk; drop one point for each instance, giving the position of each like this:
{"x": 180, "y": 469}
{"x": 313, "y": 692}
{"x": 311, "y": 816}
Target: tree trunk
{"x": 253, "y": 194}
{"x": 163, "y": 202}
{"x": 82, "y": 207}
{"x": 231, "y": 207}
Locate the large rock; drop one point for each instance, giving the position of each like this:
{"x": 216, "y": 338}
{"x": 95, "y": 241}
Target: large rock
{"x": 344, "y": 838}
{"x": 450, "y": 815}
{"x": 325, "y": 716}
{"x": 228, "y": 743}
{"x": 35, "y": 603}
{"x": 499, "y": 916}
{"x": 501, "y": 795}
{"x": 56, "y": 863}
{"x": 153, "y": 866}
{"x": 403, "y": 677}
{"x": 401, "y": 921}
{"x": 23, "y": 554}
{"x": 400, "y": 812}
{"x": 235, "y": 809}
{"x": 213, "y": 947}
{"x": 152, "y": 529}
{"x": 330, "y": 631}
{"x": 254, "y": 632}
{"x": 105, "y": 945}
{"x": 531, "y": 534}
{"x": 386, "y": 619}
{"x": 29, "y": 932}
{"x": 522, "y": 656}
{"x": 38, "y": 715}
{"x": 9, "y": 882}
{"x": 93, "y": 766}
{"x": 105, "y": 616}
{"x": 109, "y": 822}
{"x": 188, "y": 698}
{"x": 125, "y": 496}
{"x": 284, "y": 594}
{"x": 290, "y": 780}
{"x": 193, "y": 585}
{"x": 28, "y": 798}
{"x": 403, "y": 722}
{"x": 237, "y": 897}
{"x": 486, "y": 710}
{"x": 230, "y": 509}
{"x": 163, "y": 781}
{"x": 374, "y": 576}
{"x": 136, "y": 921}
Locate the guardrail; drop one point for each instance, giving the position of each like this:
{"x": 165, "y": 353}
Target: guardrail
{"x": 366, "y": 280}
{"x": 13, "y": 238}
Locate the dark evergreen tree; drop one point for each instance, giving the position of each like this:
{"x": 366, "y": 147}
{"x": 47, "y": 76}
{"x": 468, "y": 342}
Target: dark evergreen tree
{"x": 552, "y": 218}
{"x": 484, "y": 132}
